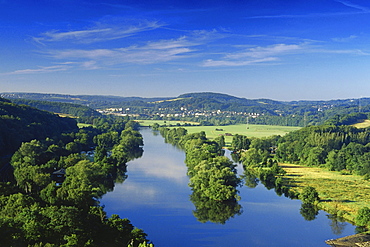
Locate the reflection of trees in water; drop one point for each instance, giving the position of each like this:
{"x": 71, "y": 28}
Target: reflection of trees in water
{"x": 250, "y": 178}
{"x": 235, "y": 157}
{"x": 309, "y": 211}
{"x": 337, "y": 224}
{"x": 214, "y": 211}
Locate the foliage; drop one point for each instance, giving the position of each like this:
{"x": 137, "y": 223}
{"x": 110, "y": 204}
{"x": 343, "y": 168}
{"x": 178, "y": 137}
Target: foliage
{"x": 363, "y": 217}
{"x": 309, "y": 195}
{"x": 76, "y": 110}
{"x": 21, "y": 123}
{"x": 36, "y": 210}
{"x": 240, "y": 142}
{"x": 336, "y": 147}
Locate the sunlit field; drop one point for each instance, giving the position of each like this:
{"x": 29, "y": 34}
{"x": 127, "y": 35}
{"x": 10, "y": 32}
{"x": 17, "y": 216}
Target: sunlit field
{"x": 338, "y": 193}
{"x": 250, "y": 130}
{"x": 364, "y": 124}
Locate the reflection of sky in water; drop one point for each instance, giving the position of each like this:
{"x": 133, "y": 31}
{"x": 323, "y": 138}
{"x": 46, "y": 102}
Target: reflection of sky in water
{"x": 155, "y": 197}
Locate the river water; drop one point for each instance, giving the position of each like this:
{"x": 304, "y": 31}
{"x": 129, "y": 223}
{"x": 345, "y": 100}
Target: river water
{"x": 155, "y": 198}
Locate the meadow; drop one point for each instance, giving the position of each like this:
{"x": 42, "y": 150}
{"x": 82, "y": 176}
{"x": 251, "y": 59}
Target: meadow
{"x": 340, "y": 194}
{"x": 250, "y": 130}
{"x": 363, "y": 124}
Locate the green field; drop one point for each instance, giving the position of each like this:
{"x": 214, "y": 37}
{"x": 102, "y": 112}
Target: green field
{"x": 81, "y": 125}
{"x": 146, "y": 123}
{"x": 253, "y": 130}
{"x": 363, "y": 124}
{"x": 345, "y": 193}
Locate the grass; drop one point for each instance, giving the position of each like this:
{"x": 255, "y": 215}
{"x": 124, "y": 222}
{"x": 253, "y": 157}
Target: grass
{"x": 147, "y": 123}
{"x": 364, "y": 124}
{"x": 253, "y": 130}
{"x": 338, "y": 193}
{"x": 81, "y": 125}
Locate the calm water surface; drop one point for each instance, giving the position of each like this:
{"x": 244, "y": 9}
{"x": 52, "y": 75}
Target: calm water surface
{"x": 155, "y": 198}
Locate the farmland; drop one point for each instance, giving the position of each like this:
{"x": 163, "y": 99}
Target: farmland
{"x": 252, "y": 130}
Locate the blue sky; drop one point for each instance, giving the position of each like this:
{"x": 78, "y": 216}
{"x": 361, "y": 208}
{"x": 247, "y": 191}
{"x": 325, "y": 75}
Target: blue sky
{"x": 277, "y": 49}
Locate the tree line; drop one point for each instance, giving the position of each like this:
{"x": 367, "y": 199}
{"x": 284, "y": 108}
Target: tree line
{"x": 76, "y": 110}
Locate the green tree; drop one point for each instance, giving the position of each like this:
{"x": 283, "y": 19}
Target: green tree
{"x": 363, "y": 217}
{"x": 309, "y": 195}
{"x": 316, "y": 156}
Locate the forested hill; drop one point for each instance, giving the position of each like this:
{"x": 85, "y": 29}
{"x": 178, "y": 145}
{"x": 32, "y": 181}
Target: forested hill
{"x": 213, "y": 108}
{"x": 76, "y": 110}
{"x": 93, "y": 101}
{"x": 215, "y": 101}
{"x": 227, "y": 99}
{"x": 21, "y": 123}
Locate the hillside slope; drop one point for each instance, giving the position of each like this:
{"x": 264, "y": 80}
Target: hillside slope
{"x": 21, "y": 123}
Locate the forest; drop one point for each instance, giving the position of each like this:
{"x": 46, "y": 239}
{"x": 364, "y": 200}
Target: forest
{"x": 21, "y": 123}
{"x": 76, "y": 110}
{"x": 52, "y": 196}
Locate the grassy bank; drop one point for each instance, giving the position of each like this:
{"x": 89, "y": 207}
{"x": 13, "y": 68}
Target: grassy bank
{"x": 339, "y": 194}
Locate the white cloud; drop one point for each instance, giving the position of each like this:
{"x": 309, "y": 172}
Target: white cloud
{"x": 256, "y": 55}
{"x": 41, "y": 69}
{"x": 355, "y": 6}
{"x": 152, "y": 52}
{"x": 219, "y": 63}
{"x": 361, "y": 10}
{"x": 100, "y": 32}
{"x": 261, "y": 52}
{"x": 345, "y": 39}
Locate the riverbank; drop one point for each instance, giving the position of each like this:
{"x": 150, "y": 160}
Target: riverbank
{"x": 340, "y": 194}
{"x": 357, "y": 240}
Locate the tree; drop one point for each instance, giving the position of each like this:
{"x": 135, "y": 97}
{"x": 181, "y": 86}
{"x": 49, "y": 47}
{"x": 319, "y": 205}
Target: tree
{"x": 220, "y": 141}
{"x": 240, "y": 142}
{"x": 363, "y": 217}
{"x": 155, "y": 126}
{"x": 316, "y": 156}
{"x": 309, "y": 195}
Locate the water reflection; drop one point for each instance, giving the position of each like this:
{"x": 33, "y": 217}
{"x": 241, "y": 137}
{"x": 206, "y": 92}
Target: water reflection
{"x": 214, "y": 211}
{"x": 309, "y": 211}
{"x": 337, "y": 224}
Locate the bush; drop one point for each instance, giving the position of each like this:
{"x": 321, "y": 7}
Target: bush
{"x": 363, "y": 217}
{"x": 309, "y": 195}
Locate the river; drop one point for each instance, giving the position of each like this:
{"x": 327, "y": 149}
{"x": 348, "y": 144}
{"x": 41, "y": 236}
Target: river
{"x": 155, "y": 197}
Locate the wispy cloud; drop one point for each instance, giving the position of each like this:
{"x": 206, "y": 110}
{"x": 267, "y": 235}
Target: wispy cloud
{"x": 41, "y": 69}
{"x": 355, "y": 6}
{"x": 277, "y": 52}
{"x": 228, "y": 63}
{"x": 255, "y": 55}
{"x": 345, "y": 39}
{"x": 100, "y": 32}
{"x": 150, "y": 52}
{"x": 360, "y": 10}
